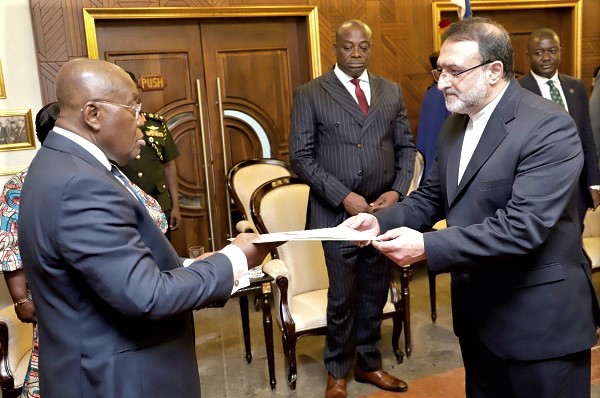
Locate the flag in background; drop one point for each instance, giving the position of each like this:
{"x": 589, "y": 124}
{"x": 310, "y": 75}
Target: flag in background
{"x": 464, "y": 8}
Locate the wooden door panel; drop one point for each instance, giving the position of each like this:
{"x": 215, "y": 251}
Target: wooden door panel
{"x": 171, "y": 50}
{"x": 258, "y": 61}
{"x": 255, "y": 63}
{"x": 268, "y": 71}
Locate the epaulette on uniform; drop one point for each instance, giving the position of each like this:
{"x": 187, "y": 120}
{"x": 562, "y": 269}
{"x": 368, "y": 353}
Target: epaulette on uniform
{"x": 154, "y": 116}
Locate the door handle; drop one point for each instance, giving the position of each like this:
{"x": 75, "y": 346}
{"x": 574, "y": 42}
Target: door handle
{"x": 225, "y": 163}
{"x": 206, "y": 166}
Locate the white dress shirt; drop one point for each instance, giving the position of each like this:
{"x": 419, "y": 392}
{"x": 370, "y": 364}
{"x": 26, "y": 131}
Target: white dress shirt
{"x": 545, "y": 88}
{"x": 473, "y": 133}
{"x": 364, "y": 83}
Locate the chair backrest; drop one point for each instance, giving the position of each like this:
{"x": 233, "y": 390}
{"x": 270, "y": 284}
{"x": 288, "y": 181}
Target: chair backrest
{"x": 278, "y": 206}
{"x": 591, "y": 224}
{"x": 16, "y": 339}
{"x": 418, "y": 173}
{"x": 244, "y": 177}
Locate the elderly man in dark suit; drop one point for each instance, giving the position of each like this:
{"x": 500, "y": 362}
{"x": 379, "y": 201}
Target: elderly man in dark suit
{"x": 112, "y": 296}
{"x": 543, "y": 52}
{"x": 505, "y": 177}
{"x": 351, "y": 142}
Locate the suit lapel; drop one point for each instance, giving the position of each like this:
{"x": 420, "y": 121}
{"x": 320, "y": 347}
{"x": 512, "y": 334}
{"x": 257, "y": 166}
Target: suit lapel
{"x": 568, "y": 89}
{"x": 340, "y": 94}
{"x": 454, "y": 149}
{"x": 493, "y": 134}
{"x": 376, "y": 101}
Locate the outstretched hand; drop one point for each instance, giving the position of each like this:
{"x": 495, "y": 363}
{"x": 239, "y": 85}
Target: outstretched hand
{"x": 255, "y": 252}
{"x": 402, "y": 245}
{"x": 362, "y": 222}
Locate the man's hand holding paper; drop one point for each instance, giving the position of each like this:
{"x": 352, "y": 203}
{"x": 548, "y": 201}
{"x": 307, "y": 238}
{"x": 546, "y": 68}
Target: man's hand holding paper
{"x": 402, "y": 245}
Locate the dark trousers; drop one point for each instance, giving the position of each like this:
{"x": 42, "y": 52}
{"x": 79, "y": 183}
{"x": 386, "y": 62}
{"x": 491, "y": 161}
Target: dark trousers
{"x": 359, "y": 280}
{"x": 489, "y": 376}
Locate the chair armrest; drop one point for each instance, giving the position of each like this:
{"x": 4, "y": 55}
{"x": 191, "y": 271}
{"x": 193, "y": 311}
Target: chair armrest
{"x": 6, "y": 377}
{"x": 245, "y": 226}
{"x": 15, "y": 349}
{"x": 276, "y": 268}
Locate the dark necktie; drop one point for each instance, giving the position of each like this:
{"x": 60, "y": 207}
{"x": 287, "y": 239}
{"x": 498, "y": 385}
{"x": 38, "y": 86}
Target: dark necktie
{"x": 117, "y": 173}
{"x": 555, "y": 94}
{"x": 360, "y": 95}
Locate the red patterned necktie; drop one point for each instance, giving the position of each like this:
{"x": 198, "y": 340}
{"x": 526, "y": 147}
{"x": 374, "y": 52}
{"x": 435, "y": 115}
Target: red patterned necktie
{"x": 360, "y": 95}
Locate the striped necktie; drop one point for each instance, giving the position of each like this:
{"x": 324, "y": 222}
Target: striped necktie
{"x": 555, "y": 94}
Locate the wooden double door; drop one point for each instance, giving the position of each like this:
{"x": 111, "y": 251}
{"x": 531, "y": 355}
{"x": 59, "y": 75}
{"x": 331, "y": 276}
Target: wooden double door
{"x": 224, "y": 86}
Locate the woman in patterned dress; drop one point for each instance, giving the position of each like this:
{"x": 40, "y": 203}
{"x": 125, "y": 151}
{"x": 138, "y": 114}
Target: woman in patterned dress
{"x": 10, "y": 258}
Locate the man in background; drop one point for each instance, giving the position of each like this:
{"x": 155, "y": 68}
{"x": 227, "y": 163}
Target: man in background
{"x": 433, "y": 115}
{"x": 543, "y": 52}
{"x": 154, "y": 169}
{"x": 351, "y": 142}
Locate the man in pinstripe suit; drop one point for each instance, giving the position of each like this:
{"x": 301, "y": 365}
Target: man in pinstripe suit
{"x": 351, "y": 142}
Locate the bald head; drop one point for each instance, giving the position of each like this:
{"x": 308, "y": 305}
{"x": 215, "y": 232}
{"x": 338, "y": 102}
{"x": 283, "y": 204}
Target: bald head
{"x": 83, "y": 79}
{"x": 99, "y": 102}
{"x": 350, "y": 24}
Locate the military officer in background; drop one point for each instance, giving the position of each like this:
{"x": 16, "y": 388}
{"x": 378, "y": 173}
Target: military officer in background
{"x": 154, "y": 170}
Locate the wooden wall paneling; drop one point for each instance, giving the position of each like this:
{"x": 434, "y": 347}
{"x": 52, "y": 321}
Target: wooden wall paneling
{"x": 403, "y": 30}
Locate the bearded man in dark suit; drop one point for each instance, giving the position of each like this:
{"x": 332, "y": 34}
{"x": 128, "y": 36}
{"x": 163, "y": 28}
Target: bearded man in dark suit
{"x": 504, "y": 177}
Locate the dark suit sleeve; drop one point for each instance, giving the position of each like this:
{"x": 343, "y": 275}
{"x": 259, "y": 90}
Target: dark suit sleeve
{"x": 590, "y": 164}
{"x": 303, "y": 142}
{"x": 594, "y": 114}
{"x": 100, "y": 239}
{"x": 404, "y": 148}
{"x": 545, "y": 178}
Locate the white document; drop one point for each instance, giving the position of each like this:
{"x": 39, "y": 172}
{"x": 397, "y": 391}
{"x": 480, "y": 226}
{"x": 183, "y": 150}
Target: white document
{"x": 336, "y": 233}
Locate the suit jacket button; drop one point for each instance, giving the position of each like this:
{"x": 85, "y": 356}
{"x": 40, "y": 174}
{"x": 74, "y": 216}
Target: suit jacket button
{"x": 140, "y": 175}
{"x": 337, "y": 124}
{"x": 360, "y": 146}
{"x": 360, "y": 173}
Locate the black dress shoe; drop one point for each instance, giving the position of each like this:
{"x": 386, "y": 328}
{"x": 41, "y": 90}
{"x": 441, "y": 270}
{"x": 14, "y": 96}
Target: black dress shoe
{"x": 381, "y": 379}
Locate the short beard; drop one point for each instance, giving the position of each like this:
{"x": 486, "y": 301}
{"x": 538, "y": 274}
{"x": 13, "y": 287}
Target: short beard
{"x": 463, "y": 103}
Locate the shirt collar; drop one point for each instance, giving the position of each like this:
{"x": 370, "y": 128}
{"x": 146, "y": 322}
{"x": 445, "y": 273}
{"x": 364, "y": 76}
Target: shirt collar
{"x": 345, "y": 78}
{"x": 85, "y": 144}
{"x": 541, "y": 80}
{"x": 484, "y": 114}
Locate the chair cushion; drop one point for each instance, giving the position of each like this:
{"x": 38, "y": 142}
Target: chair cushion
{"x": 310, "y": 309}
{"x": 389, "y": 307}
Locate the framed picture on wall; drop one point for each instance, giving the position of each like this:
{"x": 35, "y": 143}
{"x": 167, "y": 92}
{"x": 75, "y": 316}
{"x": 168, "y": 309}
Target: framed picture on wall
{"x": 16, "y": 130}
{"x": 2, "y": 89}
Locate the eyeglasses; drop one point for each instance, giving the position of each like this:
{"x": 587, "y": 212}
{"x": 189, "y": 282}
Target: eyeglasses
{"x": 439, "y": 73}
{"x": 137, "y": 108}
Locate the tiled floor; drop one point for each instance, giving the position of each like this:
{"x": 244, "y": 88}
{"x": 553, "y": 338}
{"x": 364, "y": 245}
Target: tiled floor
{"x": 433, "y": 370}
